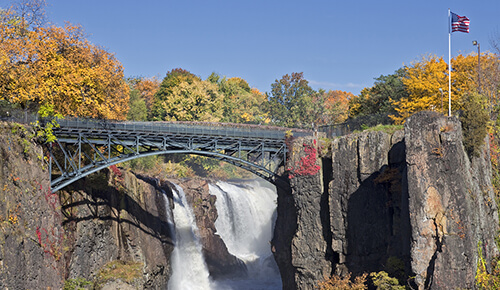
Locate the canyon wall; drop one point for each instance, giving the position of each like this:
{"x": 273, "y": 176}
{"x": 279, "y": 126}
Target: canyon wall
{"x": 410, "y": 204}
{"x": 105, "y": 223}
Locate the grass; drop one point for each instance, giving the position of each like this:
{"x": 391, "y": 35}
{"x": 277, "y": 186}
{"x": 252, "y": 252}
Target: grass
{"x": 126, "y": 271}
{"x": 389, "y": 129}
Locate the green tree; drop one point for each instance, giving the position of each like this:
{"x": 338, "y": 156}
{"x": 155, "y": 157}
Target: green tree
{"x": 185, "y": 97}
{"x": 291, "y": 102}
{"x": 379, "y": 98}
{"x": 160, "y": 106}
{"x": 474, "y": 120}
{"x": 138, "y": 110}
{"x": 242, "y": 104}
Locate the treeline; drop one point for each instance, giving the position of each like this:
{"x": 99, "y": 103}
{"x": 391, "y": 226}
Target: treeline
{"x": 55, "y": 70}
{"x": 183, "y": 96}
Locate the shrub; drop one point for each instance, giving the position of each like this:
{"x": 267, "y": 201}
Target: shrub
{"x": 336, "y": 282}
{"x": 77, "y": 284}
{"x": 474, "y": 120}
{"x": 382, "y": 281}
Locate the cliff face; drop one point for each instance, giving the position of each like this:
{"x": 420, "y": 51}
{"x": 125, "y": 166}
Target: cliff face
{"x": 299, "y": 244}
{"x": 46, "y": 238}
{"x": 410, "y": 204}
{"x": 117, "y": 217}
{"x": 30, "y": 222}
{"x": 452, "y": 204}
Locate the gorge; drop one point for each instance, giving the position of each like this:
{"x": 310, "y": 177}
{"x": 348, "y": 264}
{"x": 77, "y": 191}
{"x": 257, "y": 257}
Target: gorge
{"x": 411, "y": 204}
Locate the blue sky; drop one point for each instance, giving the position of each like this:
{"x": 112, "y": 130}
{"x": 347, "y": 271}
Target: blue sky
{"x": 340, "y": 45}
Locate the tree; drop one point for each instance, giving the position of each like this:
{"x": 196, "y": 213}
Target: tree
{"x": 173, "y": 79}
{"x": 485, "y": 80}
{"x": 185, "y": 97}
{"x": 474, "y": 120}
{"x": 147, "y": 88}
{"x": 30, "y": 13}
{"x": 290, "y": 101}
{"x": 422, "y": 80}
{"x": 242, "y": 104}
{"x": 58, "y": 66}
{"x": 138, "y": 110}
{"x": 379, "y": 98}
{"x": 336, "y": 106}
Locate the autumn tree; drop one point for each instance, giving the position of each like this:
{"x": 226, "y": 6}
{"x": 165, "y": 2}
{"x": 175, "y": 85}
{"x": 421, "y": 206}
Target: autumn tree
{"x": 147, "y": 88}
{"x": 336, "y": 104}
{"x": 242, "y": 104}
{"x": 290, "y": 102}
{"x": 423, "y": 80}
{"x": 57, "y": 67}
{"x": 185, "y": 97}
{"x": 172, "y": 79}
{"x": 484, "y": 80}
{"x": 29, "y": 14}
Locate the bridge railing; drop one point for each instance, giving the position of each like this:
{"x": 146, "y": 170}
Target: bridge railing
{"x": 184, "y": 128}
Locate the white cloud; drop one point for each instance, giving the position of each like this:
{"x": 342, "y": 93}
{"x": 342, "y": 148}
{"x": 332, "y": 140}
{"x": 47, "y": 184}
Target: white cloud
{"x": 330, "y": 85}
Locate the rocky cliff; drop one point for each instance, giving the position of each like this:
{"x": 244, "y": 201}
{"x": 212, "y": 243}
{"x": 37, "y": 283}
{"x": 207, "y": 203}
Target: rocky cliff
{"x": 30, "y": 220}
{"x": 109, "y": 228}
{"x": 411, "y": 204}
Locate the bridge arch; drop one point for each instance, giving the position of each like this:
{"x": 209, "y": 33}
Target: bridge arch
{"x": 86, "y": 146}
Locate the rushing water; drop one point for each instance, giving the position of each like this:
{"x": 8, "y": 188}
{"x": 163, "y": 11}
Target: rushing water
{"x": 246, "y": 218}
{"x": 189, "y": 268}
{"x": 246, "y": 215}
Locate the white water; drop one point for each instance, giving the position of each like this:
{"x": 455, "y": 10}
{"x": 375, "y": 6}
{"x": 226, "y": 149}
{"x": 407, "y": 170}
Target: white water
{"x": 246, "y": 215}
{"x": 189, "y": 271}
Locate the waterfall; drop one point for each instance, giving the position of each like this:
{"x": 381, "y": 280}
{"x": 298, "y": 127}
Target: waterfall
{"x": 246, "y": 215}
{"x": 189, "y": 270}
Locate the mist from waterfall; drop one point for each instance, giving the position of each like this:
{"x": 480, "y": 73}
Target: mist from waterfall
{"x": 189, "y": 270}
{"x": 246, "y": 216}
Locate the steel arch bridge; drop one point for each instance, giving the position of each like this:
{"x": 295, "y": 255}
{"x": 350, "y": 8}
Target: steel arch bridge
{"x": 86, "y": 146}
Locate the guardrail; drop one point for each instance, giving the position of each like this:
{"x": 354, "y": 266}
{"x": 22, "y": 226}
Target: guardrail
{"x": 191, "y": 128}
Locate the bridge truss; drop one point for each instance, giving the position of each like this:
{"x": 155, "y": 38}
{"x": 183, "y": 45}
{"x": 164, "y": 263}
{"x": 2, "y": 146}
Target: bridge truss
{"x": 86, "y": 146}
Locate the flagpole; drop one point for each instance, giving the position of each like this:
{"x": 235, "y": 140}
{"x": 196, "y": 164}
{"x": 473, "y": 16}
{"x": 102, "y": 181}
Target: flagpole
{"x": 449, "y": 63}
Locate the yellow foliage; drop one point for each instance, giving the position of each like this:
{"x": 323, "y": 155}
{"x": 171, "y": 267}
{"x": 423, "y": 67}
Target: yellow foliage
{"x": 424, "y": 79}
{"x": 337, "y": 106}
{"x": 56, "y": 65}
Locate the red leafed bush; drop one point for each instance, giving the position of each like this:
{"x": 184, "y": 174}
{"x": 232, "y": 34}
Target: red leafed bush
{"x": 117, "y": 173}
{"x": 307, "y": 164}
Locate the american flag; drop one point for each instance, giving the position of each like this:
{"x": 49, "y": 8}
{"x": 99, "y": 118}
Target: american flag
{"x": 459, "y": 23}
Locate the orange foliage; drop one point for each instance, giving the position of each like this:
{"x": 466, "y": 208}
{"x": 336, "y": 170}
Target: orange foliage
{"x": 337, "y": 105}
{"x": 148, "y": 88}
{"x": 58, "y": 66}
